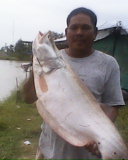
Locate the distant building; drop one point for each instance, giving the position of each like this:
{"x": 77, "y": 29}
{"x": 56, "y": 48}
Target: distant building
{"x": 28, "y": 46}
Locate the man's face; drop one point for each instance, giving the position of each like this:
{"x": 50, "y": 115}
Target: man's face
{"x": 80, "y": 32}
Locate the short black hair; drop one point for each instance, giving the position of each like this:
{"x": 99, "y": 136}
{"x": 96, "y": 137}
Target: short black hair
{"x": 83, "y": 10}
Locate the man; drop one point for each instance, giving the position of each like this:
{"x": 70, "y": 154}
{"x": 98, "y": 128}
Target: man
{"x": 99, "y": 71}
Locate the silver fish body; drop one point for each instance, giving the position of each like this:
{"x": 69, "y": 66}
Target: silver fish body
{"x": 68, "y": 106}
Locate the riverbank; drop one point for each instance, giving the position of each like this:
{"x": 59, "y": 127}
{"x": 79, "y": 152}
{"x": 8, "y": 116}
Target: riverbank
{"x": 8, "y": 58}
{"x": 20, "y": 122}
{"x": 17, "y": 58}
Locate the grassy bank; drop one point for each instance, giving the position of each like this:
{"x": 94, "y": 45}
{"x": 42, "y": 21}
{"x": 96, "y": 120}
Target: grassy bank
{"x": 122, "y": 123}
{"x": 20, "y": 122}
{"x": 8, "y": 58}
{"x": 17, "y": 57}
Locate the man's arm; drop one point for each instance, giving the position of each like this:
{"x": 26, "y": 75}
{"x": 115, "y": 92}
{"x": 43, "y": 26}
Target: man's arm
{"x": 29, "y": 90}
{"x": 110, "y": 111}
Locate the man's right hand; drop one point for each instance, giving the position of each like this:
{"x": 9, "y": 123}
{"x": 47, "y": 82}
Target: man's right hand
{"x": 93, "y": 148}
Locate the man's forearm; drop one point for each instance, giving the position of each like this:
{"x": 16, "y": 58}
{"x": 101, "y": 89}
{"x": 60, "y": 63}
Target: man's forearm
{"x": 110, "y": 111}
{"x": 29, "y": 90}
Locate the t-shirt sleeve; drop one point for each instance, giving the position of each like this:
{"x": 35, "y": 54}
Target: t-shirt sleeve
{"x": 112, "y": 94}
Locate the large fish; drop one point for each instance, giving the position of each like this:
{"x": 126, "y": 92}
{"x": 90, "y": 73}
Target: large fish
{"x": 68, "y": 106}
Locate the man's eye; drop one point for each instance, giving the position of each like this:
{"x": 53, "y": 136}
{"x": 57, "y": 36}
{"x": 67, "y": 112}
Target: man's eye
{"x": 73, "y": 27}
{"x": 86, "y": 27}
{"x": 83, "y": 28}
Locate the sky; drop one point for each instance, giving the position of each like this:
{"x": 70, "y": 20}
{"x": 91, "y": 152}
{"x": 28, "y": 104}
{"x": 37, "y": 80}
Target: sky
{"x": 23, "y": 19}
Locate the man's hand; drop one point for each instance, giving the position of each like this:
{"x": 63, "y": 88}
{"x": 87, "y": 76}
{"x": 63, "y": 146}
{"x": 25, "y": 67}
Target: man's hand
{"x": 93, "y": 148}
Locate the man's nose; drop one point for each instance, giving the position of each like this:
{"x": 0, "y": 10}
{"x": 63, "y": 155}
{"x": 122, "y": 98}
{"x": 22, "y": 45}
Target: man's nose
{"x": 79, "y": 31}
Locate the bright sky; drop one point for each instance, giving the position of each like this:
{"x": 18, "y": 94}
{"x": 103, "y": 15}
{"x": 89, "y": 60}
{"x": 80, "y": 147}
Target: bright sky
{"x": 22, "y": 19}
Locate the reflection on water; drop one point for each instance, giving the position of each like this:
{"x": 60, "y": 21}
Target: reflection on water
{"x": 9, "y": 71}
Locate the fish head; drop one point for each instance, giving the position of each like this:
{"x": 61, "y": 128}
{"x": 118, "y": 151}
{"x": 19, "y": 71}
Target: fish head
{"x": 44, "y": 47}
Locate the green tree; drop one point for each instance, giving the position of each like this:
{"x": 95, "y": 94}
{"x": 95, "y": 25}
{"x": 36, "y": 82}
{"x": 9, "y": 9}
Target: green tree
{"x": 20, "y": 47}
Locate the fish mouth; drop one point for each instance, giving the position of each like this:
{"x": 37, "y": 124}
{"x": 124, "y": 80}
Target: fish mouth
{"x": 47, "y": 35}
{"x": 42, "y": 36}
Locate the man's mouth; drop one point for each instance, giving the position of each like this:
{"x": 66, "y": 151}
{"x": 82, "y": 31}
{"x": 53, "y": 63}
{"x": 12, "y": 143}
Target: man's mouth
{"x": 79, "y": 40}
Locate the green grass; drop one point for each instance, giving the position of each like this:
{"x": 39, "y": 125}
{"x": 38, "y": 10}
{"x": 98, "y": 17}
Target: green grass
{"x": 122, "y": 123}
{"x": 15, "y": 115}
{"x": 7, "y": 58}
{"x": 18, "y": 123}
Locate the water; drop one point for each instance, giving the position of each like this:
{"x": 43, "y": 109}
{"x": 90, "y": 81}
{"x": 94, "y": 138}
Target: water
{"x": 9, "y": 72}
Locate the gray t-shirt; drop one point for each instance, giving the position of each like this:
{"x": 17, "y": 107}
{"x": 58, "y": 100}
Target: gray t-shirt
{"x": 101, "y": 74}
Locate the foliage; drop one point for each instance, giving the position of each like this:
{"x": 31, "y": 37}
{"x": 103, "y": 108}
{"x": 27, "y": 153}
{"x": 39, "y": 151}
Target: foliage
{"x": 22, "y": 47}
{"x": 9, "y": 50}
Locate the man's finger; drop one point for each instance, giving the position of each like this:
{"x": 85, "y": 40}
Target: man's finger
{"x": 93, "y": 148}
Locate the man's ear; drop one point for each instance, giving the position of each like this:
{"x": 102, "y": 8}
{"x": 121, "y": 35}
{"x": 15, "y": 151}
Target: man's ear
{"x": 66, "y": 31}
{"x": 96, "y": 32}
